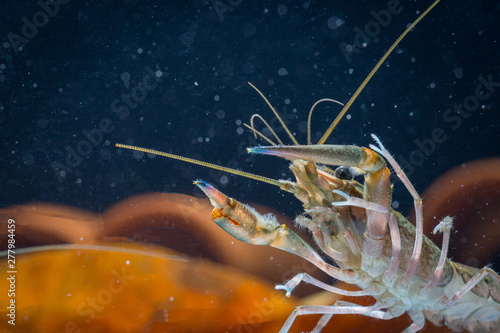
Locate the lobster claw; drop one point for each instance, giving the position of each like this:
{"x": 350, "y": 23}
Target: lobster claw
{"x": 354, "y": 156}
{"x": 247, "y": 225}
{"x": 239, "y": 220}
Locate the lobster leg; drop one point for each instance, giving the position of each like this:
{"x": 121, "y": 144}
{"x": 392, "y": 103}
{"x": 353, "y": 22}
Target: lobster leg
{"x": 247, "y": 225}
{"x": 321, "y": 237}
{"x": 478, "y": 277}
{"x": 392, "y": 271}
{"x": 377, "y": 188}
{"x": 369, "y": 311}
{"x": 375, "y": 289}
{"x": 445, "y": 227}
{"x": 404, "y": 282}
{"x": 418, "y": 321}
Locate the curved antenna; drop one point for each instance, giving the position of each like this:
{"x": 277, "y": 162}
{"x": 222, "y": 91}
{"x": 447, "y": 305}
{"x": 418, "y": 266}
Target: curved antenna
{"x": 267, "y": 125}
{"x": 204, "y": 164}
{"x": 259, "y": 133}
{"x": 373, "y": 71}
{"x": 276, "y": 114}
{"x": 310, "y": 115}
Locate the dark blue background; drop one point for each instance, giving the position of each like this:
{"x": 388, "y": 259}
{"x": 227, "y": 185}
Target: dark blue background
{"x": 65, "y": 78}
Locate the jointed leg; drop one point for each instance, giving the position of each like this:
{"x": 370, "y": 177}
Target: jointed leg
{"x": 418, "y": 321}
{"x": 391, "y": 272}
{"x": 318, "y": 234}
{"x": 322, "y": 233}
{"x": 404, "y": 283}
{"x": 291, "y": 284}
{"x": 322, "y": 322}
{"x": 483, "y": 272}
{"x": 358, "y": 202}
{"x": 445, "y": 227}
{"x": 332, "y": 310}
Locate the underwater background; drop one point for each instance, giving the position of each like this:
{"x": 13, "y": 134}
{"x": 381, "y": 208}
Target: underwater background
{"x": 80, "y": 76}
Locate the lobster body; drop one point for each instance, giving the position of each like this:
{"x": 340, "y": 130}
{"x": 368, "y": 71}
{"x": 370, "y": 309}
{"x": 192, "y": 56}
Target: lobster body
{"x": 374, "y": 246}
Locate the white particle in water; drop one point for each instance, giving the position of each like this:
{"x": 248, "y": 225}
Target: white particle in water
{"x": 216, "y": 98}
{"x": 220, "y": 114}
{"x": 125, "y": 76}
{"x": 282, "y": 10}
{"x": 138, "y": 155}
{"x": 282, "y": 71}
{"x": 459, "y": 73}
{"x": 28, "y": 159}
{"x": 334, "y": 22}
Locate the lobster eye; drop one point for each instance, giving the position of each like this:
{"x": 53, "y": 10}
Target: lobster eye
{"x": 344, "y": 173}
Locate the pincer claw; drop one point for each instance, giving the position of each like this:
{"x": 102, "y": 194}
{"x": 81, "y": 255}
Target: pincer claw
{"x": 285, "y": 288}
{"x": 239, "y": 220}
{"x": 217, "y": 198}
{"x": 291, "y": 284}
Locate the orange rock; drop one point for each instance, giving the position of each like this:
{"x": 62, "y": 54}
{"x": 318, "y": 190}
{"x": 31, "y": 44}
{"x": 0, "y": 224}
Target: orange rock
{"x": 118, "y": 291}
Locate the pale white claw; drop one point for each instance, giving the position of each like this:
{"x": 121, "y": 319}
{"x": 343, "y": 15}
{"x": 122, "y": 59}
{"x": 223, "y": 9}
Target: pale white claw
{"x": 285, "y": 288}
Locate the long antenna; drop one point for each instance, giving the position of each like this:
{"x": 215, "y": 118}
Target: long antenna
{"x": 311, "y": 112}
{"x": 276, "y": 114}
{"x": 373, "y": 71}
{"x": 204, "y": 164}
